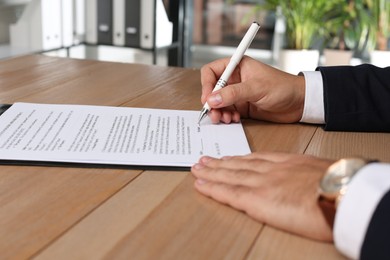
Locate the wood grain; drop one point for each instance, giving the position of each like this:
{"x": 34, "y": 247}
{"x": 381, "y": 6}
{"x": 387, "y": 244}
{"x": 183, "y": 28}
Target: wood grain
{"x": 335, "y": 145}
{"x": 276, "y": 244}
{"x": 53, "y": 80}
{"x": 96, "y": 234}
{"x": 263, "y": 136}
{"x": 189, "y": 226}
{"x": 38, "y": 204}
{"x": 81, "y": 213}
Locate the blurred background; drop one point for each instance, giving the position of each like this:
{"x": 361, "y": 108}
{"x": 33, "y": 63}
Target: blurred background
{"x": 295, "y": 35}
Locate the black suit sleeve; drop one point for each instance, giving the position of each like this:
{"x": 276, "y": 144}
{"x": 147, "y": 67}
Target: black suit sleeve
{"x": 376, "y": 244}
{"x": 356, "y": 98}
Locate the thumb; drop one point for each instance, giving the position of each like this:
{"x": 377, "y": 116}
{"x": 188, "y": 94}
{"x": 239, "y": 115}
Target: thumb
{"x": 232, "y": 94}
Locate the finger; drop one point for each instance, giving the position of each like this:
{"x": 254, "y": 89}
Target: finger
{"x": 227, "y": 176}
{"x": 215, "y": 116}
{"x": 226, "y": 115}
{"x": 210, "y": 74}
{"x": 229, "y": 173}
{"x": 246, "y": 162}
{"x": 235, "y": 93}
{"x": 235, "y": 196}
{"x": 276, "y": 157}
{"x": 236, "y": 117}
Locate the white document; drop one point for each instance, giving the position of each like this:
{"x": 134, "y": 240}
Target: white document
{"x": 114, "y": 135}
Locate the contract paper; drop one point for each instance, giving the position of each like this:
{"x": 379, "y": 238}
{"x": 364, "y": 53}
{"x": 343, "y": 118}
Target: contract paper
{"x": 114, "y": 135}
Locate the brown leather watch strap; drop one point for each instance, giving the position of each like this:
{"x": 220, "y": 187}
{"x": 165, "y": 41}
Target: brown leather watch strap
{"x": 328, "y": 208}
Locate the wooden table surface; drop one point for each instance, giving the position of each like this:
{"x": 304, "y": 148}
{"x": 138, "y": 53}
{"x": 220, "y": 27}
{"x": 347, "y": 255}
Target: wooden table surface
{"x": 87, "y": 213}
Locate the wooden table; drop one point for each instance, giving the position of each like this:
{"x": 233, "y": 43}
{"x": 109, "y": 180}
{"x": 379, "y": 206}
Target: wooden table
{"x": 86, "y": 213}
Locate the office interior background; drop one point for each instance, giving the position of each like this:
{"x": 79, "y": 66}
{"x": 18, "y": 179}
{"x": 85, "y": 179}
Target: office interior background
{"x": 199, "y": 31}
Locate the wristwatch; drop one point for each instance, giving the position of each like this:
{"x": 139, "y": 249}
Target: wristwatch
{"x": 334, "y": 184}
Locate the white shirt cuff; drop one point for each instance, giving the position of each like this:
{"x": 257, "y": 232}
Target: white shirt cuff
{"x": 358, "y": 205}
{"x": 313, "y": 111}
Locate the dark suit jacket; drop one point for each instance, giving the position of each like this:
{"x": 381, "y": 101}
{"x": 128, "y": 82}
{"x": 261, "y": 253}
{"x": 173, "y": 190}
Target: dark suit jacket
{"x": 356, "y": 98}
{"x": 376, "y": 243}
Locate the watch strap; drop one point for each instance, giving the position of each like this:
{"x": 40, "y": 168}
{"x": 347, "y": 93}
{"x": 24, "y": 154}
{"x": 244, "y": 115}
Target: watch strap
{"x": 328, "y": 204}
{"x": 328, "y": 209}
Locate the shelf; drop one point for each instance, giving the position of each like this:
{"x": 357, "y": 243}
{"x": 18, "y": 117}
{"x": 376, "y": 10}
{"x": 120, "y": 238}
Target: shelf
{"x": 176, "y": 51}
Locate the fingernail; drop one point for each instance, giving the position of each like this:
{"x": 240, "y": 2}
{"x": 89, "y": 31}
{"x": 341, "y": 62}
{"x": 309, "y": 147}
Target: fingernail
{"x": 198, "y": 166}
{"x": 205, "y": 159}
{"x": 200, "y": 181}
{"x": 215, "y": 99}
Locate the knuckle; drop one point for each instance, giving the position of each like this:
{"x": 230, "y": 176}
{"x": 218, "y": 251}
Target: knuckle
{"x": 204, "y": 68}
{"x": 235, "y": 93}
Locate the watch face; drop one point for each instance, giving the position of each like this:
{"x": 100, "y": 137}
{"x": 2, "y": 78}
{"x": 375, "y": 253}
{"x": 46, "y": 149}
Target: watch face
{"x": 338, "y": 176}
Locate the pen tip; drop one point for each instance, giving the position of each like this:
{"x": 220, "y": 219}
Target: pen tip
{"x": 203, "y": 113}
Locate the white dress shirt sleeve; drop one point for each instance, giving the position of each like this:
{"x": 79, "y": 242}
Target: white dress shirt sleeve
{"x": 366, "y": 189}
{"x": 355, "y": 210}
{"x": 313, "y": 111}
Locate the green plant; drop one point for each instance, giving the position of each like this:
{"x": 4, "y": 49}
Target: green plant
{"x": 380, "y": 28}
{"x": 304, "y": 19}
{"x": 348, "y": 25}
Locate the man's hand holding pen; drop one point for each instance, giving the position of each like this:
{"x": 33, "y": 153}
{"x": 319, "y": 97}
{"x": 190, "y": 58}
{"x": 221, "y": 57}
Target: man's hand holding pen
{"x": 255, "y": 90}
{"x": 231, "y": 65}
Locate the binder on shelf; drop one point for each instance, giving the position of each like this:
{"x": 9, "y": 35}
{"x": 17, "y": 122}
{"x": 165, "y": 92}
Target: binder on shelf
{"x": 39, "y": 27}
{"x": 67, "y": 23}
{"x": 133, "y": 23}
{"x": 147, "y": 24}
{"x": 155, "y": 25}
{"x": 141, "y": 24}
{"x": 78, "y": 21}
{"x": 127, "y": 23}
{"x": 91, "y": 22}
{"x": 104, "y": 22}
{"x": 47, "y": 25}
{"x": 119, "y": 9}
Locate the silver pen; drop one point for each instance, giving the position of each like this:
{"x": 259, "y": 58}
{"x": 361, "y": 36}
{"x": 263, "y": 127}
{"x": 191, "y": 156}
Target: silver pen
{"x": 234, "y": 61}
